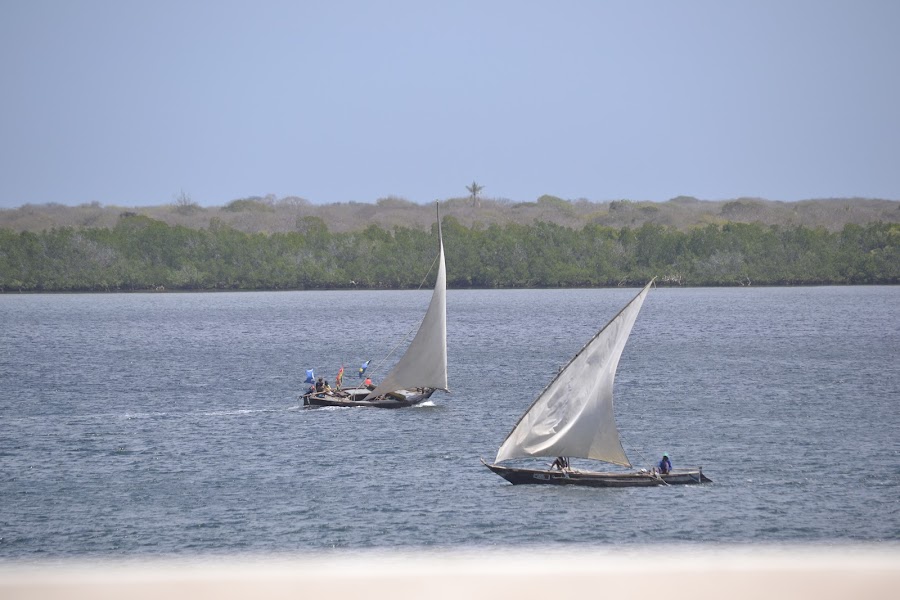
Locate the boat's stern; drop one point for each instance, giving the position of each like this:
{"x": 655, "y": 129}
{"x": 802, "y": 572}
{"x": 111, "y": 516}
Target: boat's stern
{"x": 685, "y": 477}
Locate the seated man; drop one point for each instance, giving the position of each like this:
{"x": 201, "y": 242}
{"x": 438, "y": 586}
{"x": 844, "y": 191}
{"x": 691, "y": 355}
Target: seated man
{"x": 665, "y": 465}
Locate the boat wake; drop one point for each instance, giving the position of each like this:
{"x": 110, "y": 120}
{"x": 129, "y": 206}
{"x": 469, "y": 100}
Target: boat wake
{"x": 154, "y": 415}
{"x": 214, "y": 413}
{"x": 238, "y": 411}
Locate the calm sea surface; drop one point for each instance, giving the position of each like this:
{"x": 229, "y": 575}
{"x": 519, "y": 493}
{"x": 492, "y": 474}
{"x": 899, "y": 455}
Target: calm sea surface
{"x": 168, "y": 424}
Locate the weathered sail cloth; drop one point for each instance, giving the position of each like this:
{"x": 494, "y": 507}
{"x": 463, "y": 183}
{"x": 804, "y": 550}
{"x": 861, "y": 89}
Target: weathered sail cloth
{"x": 574, "y": 415}
{"x": 425, "y": 362}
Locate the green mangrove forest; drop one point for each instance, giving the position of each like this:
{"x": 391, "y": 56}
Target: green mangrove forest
{"x": 142, "y": 253}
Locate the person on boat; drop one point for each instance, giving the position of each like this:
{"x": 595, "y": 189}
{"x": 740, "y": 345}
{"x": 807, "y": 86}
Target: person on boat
{"x": 560, "y": 463}
{"x": 665, "y": 465}
{"x": 320, "y": 385}
{"x": 327, "y": 388}
{"x": 368, "y": 382}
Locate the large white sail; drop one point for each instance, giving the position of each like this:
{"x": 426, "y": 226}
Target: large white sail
{"x": 574, "y": 415}
{"x": 425, "y": 362}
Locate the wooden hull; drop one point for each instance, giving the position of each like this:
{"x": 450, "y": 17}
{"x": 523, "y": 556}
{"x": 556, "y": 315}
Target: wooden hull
{"x": 354, "y": 398}
{"x": 517, "y": 476}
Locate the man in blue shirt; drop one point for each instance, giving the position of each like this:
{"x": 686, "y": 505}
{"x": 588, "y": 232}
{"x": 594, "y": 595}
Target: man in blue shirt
{"x": 665, "y": 465}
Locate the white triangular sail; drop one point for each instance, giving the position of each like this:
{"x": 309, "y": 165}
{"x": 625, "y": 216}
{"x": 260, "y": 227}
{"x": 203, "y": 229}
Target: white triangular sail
{"x": 574, "y": 415}
{"x": 424, "y": 365}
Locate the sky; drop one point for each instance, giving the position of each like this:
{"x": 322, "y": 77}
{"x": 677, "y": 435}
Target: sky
{"x": 132, "y": 103}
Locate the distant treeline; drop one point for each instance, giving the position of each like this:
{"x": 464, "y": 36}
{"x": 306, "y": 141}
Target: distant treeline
{"x": 140, "y": 253}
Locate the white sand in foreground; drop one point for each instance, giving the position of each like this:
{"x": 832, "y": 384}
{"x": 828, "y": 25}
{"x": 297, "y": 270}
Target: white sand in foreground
{"x": 670, "y": 573}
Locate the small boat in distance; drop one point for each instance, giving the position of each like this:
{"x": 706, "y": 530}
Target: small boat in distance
{"x": 420, "y": 371}
{"x": 574, "y": 418}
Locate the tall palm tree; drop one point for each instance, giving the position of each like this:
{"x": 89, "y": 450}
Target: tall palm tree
{"x": 474, "y": 189}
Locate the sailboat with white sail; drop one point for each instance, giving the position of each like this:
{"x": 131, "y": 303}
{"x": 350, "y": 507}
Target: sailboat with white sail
{"x": 574, "y": 418}
{"x": 421, "y": 370}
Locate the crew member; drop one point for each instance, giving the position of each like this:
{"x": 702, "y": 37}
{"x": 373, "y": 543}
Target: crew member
{"x": 665, "y": 465}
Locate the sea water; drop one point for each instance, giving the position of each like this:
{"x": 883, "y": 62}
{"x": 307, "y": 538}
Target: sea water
{"x": 169, "y": 424}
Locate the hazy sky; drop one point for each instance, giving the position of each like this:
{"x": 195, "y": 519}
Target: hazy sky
{"x": 129, "y": 102}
